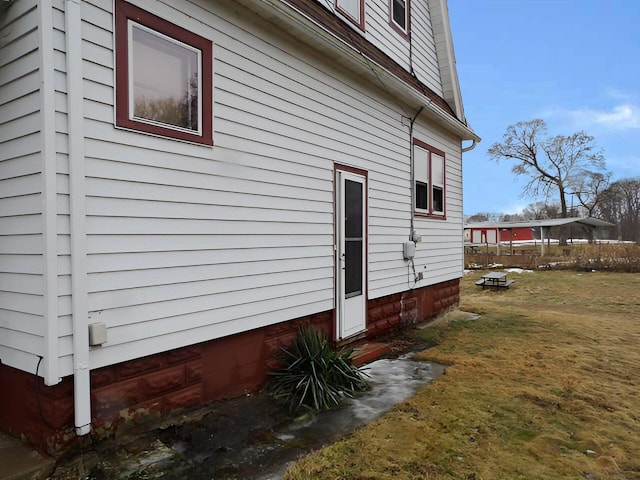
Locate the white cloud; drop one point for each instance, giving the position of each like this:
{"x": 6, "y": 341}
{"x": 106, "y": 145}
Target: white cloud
{"x": 515, "y": 208}
{"x": 623, "y": 117}
{"x": 620, "y": 95}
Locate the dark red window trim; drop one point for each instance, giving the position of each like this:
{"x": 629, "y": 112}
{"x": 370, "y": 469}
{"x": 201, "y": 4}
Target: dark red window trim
{"x": 395, "y": 26}
{"x": 430, "y": 213}
{"x": 348, "y": 16}
{"x": 124, "y": 12}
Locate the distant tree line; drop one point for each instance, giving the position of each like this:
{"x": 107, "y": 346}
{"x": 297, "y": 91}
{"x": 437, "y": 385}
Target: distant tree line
{"x": 618, "y": 203}
{"x": 569, "y": 173}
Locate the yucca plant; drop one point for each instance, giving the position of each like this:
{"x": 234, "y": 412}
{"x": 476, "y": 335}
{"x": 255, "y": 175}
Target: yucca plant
{"x": 315, "y": 376}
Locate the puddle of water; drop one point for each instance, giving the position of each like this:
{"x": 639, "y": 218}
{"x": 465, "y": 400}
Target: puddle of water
{"x": 254, "y": 438}
{"x": 392, "y": 381}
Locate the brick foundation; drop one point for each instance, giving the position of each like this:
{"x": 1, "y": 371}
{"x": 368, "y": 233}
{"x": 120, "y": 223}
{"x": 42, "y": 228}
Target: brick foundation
{"x": 158, "y": 384}
{"x": 393, "y": 312}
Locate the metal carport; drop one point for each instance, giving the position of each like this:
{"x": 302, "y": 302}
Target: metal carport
{"x": 543, "y": 225}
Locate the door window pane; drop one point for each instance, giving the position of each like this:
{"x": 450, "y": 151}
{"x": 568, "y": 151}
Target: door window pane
{"x": 353, "y": 209}
{"x": 354, "y": 241}
{"x": 353, "y": 268}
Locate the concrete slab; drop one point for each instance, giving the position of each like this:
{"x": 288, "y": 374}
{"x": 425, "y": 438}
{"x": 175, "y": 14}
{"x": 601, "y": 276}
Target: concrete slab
{"x": 17, "y": 462}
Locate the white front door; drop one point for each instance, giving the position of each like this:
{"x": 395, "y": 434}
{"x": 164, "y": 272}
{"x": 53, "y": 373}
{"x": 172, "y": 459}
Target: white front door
{"x": 351, "y": 253}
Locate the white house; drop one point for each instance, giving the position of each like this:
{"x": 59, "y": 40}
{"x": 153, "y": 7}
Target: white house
{"x": 184, "y": 183}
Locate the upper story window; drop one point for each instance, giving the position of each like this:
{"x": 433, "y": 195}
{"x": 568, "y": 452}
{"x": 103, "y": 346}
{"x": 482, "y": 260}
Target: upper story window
{"x": 352, "y": 10}
{"x": 399, "y": 13}
{"x": 163, "y": 77}
{"x": 429, "y": 177}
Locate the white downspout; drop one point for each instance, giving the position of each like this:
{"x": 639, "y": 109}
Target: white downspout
{"x": 474, "y": 142}
{"x": 412, "y": 172}
{"x": 51, "y": 373}
{"x": 470, "y": 147}
{"x": 75, "y": 119}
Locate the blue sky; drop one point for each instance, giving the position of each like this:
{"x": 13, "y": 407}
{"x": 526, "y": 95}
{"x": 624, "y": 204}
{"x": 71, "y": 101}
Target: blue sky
{"x": 573, "y": 63}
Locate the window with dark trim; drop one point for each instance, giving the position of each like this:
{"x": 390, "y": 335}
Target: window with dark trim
{"x": 353, "y": 10}
{"x": 163, "y": 77}
{"x": 399, "y": 16}
{"x": 429, "y": 177}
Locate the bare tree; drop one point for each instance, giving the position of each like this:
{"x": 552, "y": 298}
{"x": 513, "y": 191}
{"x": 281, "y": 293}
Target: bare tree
{"x": 620, "y": 204}
{"x": 483, "y": 217}
{"x": 555, "y": 165}
{"x": 511, "y": 217}
{"x": 590, "y": 189}
{"x": 541, "y": 211}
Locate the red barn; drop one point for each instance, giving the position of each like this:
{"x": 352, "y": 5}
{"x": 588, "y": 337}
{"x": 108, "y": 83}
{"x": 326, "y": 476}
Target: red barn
{"x": 519, "y": 234}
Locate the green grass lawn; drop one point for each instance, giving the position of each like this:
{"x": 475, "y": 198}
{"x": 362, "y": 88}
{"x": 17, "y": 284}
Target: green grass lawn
{"x": 544, "y": 385}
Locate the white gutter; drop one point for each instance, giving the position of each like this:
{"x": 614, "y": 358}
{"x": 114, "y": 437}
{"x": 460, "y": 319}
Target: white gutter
{"x": 75, "y": 119}
{"x": 474, "y": 142}
{"x": 314, "y": 29}
{"x": 51, "y": 373}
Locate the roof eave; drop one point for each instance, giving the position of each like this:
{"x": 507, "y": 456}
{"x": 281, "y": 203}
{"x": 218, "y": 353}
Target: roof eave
{"x": 316, "y": 31}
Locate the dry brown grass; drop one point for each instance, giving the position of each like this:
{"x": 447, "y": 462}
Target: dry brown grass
{"x": 543, "y": 386}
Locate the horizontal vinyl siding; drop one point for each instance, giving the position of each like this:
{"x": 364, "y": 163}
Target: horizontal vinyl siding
{"x": 188, "y": 243}
{"x": 192, "y": 243}
{"x": 425, "y": 59}
{"x": 440, "y": 254}
{"x": 21, "y": 239}
{"x": 382, "y": 34}
{"x": 389, "y": 227}
{"x": 422, "y": 53}
{"x": 421, "y": 56}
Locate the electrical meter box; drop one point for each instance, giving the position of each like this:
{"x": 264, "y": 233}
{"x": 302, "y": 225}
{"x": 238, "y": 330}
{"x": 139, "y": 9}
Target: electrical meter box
{"x": 409, "y": 250}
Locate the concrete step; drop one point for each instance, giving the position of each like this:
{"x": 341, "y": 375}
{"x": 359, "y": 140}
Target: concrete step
{"x": 17, "y": 462}
{"x": 368, "y": 352}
